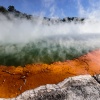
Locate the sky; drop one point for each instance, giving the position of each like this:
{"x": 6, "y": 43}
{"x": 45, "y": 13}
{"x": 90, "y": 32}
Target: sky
{"x": 48, "y": 8}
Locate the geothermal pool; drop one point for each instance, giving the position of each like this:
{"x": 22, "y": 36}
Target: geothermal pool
{"x": 48, "y": 50}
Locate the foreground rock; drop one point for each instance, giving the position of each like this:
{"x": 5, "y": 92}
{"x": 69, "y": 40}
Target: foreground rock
{"x": 83, "y": 87}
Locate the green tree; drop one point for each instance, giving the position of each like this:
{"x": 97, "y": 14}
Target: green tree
{"x": 3, "y": 9}
{"x": 11, "y": 8}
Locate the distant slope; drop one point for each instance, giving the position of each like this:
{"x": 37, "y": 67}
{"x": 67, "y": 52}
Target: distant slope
{"x": 11, "y": 10}
{"x": 14, "y": 81}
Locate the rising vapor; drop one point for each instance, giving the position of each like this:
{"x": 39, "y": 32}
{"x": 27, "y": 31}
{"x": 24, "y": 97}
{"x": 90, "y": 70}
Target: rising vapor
{"x": 39, "y": 40}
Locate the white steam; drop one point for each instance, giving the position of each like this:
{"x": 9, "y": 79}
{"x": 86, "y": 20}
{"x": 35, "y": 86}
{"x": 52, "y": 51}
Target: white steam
{"x": 80, "y": 35}
{"x": 21, "y": 30}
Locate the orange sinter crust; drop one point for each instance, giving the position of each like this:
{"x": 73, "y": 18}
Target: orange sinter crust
{"x": 15, "y": 80}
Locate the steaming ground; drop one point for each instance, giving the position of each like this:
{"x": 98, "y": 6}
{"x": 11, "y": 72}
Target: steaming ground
{"x": 38, "y": 41}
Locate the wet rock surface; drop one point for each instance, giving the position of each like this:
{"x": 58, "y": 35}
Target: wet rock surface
{"x": 83, "y": 87}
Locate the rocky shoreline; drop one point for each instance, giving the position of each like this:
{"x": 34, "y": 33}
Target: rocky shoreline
{"x": 83, "y": 87}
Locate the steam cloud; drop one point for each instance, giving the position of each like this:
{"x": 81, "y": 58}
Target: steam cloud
{"x": 34, "y": 41}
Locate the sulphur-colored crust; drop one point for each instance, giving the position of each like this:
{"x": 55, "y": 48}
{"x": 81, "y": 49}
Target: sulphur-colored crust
{"x": 15, "y": 80}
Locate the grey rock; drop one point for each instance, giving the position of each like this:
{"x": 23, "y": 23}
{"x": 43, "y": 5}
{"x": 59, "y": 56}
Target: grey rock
{"x": 97, "y": 78}
{"x": 83, "y": 87}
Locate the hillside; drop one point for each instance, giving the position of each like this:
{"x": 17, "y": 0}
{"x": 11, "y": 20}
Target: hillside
{"x": 18, "y": 14}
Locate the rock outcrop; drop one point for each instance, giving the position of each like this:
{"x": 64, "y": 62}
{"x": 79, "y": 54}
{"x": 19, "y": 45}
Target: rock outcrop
{"x": 83, "y": 87}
